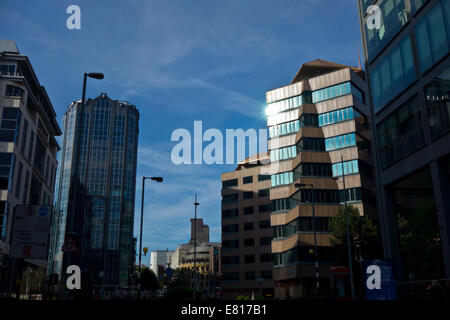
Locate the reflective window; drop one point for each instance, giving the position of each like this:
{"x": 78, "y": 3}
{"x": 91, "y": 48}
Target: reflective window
{"x": 437, "y": 98}
{"x": 393, "y": 18}
{"x": 337, "y": 116}
{"x": 416, "y": 5}
{"x": 10, "y": 124}
{"x": 338, "y": 142}
{"x": 6, "y": 170}
{"x": 393, "y": 74}
{"x": 290, "y": 103}
{"x": 433, "y": 35}
{"x": 13, "y": 91}
{"x": 347, "y": 167}
{"x": 400, "y": 133}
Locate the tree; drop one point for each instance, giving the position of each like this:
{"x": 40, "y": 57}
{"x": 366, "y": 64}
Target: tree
{"x": 148, "y": 279}
{"x": 365, "y": 240}
{"x": 420, "y": 242}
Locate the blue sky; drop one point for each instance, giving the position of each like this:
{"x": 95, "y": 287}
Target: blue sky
{"x": 180, "y": 61}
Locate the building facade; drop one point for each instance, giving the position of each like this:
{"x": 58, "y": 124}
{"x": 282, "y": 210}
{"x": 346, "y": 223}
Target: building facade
{"x": 408, "y": 69}
{"x": 246, "y": 232}
{"x": 207, "y": 255}
{"x": 160, "y": 258}
{"x": 28, "y": 146}
{"x": 318, "y": 132}
{"x": 95, "y": 192}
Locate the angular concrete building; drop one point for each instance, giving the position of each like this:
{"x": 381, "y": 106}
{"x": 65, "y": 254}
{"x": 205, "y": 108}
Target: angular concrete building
{"x": 316, "y": 121}
{"x": 246, "y": 233}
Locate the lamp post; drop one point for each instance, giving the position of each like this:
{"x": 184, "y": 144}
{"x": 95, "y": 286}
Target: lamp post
{"x": 316, "y": 264}
{"x": 194, "y": 287}
{"x": 157, "y": 179}
{"x": 98, "y": 76}
{"x": 347, "y": 230}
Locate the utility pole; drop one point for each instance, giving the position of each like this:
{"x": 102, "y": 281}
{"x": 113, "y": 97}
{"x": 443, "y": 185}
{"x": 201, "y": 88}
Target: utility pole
{"x": 195, "y": 246}
{"x": 350, "y": 264}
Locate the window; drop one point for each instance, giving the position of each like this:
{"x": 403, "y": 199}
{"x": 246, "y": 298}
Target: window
{"x": 229, "y": 183}
{"x": 248, "y": 226}
{"x": 250, "y": 275}
{"x": 10, "y": 125}
{"x": 39, "y": 155}
{"x": 290, "y": 103}
{"x": 433, "y": 35}
{"x": 266, "y": 274}
{"x": 393, "y": 74}
{"x": 230, "y": 228}
{"x": 247, "y": 180}
{"x": 18, "y": 180}
{"x": 283, "y": 204}
{"x": 416, "y": 5}
{"x": 229, "y": 198}
{"x": 230, "y": 260}
{"x": 4, "y": 208}
{"x": 266, "y": 257}
{"x": 264, "y": 224}
{"x": 353, "y": 194}
{"x": 283, "y": 153}
{"x": 265, "y": 241}
{"x": 311, "y": 144}
{"x": 437, "y": 98}
{"x": 248, "y": 210}
{"x": 336, "y": 116}
{"x": 263, "y": 192}
{"x": 400, "y": 133}
{"x": 230, "y": 276}
{"x": 393, "y": 18}
{"x": 13, "y": 91}
{"x": 282, "y": 178}
{"x": 303, "y": 224}
{"x": 6, "y": 170}
{"x": 337, "y": 91}
{"x": 249, "y": 258}
{"x": 231, "y": 213}
{"x": 30, "y": 148}
{"x": 265, "y": 208}
{"x": 349, "y": 167}
{"x": 9, "y": 69}
{"x": 263, "y": 177}
{"x": 248, "y": 195}
{"x": 24, "y": 136}
{"x": 230, "y": 244}
{"x": 339, "y": 142}
{"x": 249, "y": 242}
{"x": 25, "y": 187}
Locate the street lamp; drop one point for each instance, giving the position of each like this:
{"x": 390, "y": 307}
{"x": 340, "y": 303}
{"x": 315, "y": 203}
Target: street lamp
{"x": 316, "y": 265}
{"x": 157, "y": 179}
{"x": 347, "y": 229}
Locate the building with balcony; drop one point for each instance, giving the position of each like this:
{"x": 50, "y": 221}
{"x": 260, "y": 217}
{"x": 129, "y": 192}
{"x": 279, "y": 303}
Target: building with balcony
{"x": 408, "y": 72}
{"x": 28, "y": 146}
{"x": 318, "y": 133}
{"x": 247, "y": 261}
{"x": 95, "y": 193}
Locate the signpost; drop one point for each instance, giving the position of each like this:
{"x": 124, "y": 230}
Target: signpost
{"x": 30, "y": 232}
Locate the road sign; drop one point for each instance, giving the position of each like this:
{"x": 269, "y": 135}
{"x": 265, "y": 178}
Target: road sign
{"x": 30, "y": 232}
{"x": 69, "y": 245}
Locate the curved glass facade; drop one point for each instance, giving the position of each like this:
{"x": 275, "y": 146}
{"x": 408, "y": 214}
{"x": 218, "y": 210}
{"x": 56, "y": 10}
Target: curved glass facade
{"x": 97, "y": 175}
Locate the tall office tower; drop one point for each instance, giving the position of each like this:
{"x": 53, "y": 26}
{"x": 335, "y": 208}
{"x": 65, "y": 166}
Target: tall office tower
{"x": 94, "y": 203}
{"x": 27, "y": 143}
{"x": 246, "y": 233}
{"x": 313, "y": 122}
{"x": 408, "y": 69}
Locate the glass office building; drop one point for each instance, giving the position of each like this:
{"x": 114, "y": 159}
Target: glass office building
{"x": 94, "y": 202}
{"x": 318, "y": 118}
{"x": 408, "y": 69}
